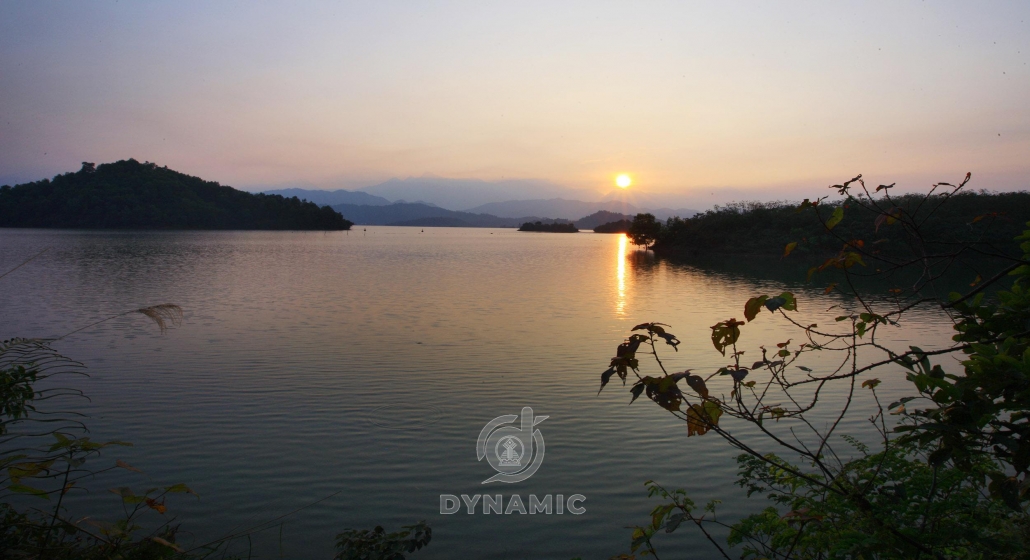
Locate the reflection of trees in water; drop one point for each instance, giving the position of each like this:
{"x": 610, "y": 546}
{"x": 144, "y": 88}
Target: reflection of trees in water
{"x": 642, "y": 261}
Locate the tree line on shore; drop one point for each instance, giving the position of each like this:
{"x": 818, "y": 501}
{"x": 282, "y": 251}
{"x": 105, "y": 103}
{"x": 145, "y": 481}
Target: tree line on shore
{"x": 767, "y": 228}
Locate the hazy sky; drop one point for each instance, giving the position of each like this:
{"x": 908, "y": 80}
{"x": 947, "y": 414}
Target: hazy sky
{"x": 682, "y": 95}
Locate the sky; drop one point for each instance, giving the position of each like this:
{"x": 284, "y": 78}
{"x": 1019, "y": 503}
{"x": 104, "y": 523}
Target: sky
{"x": 763, "y": 100}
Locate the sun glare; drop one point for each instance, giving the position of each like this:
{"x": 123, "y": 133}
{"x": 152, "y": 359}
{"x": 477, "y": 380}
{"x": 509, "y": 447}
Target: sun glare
{"x": 623, "y": 181}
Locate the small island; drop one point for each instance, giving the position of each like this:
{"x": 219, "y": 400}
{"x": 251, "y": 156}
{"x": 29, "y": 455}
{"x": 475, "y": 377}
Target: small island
{"x": 549, "y": 228}
{"x": 620, "y": 226}
{"x": 128, "y": 194}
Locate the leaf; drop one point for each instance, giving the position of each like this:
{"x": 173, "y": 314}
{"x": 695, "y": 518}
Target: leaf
{"x": 739, "y": 374}
{"x": 126, "y": 466}
{"x": 790, "y": 304}
{"x": 852, "y": 258}
{"x": 835, "y": 218}
{"x": 701, "y": 418}
{"x": 698, "y": 385}
{"x": 636, "y": 390}
{"x": 790, "y": 247}
{"x": 170, "y": 545}
{"x": 157, "y": 506}
{"x": 725, "y": 333}
{"x": 753, "y": 306}
{"x": 785, "y": 300}
{"x": 179, "y": 488}
{"x": 1006, "y": 489}
{"x": 23, "y": 489}
{"x": 888, "y": 217}
{"x": 662, "y": 390}
{"x": 830, "y": 287}
{"x": 843, "y": 189}
{"x": 807, "y": 204}
{"x": 127, "y": 495}
{"x": 870, "y": 383}
{"x": 774, "y": 303}
{"x": 19, "y": 471}
{"x": 657, "y": 330}
{"x": 885, "y": 187}
{"x": 604, "y": 378}
{"x": 671, "y": 340}
{"x": 674, "y": 522}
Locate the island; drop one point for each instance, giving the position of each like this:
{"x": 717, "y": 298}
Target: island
{"x": 620, "y": 226}
{"x": 557, "y": 227}
{"x": 128, "y": 194}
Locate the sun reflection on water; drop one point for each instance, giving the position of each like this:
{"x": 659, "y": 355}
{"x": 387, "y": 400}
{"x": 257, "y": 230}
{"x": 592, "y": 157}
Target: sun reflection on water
{"x": 620, "y": 303}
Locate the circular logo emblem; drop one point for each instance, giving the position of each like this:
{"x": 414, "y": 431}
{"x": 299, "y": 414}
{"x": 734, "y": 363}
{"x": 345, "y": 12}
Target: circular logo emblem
{"x": 514, "y": 452}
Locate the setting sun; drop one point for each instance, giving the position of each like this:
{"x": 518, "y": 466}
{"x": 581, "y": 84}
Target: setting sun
{"x": 623, "y": 181}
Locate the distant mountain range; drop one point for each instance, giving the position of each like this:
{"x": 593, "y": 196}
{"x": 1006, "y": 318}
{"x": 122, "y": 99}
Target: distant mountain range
{"x": 466, "y": 194}
{"x": 450, "y": 202}
{"x": 328, "y": 198}
{"x": 422, "y": 215}
{"x": 552, "y": 207}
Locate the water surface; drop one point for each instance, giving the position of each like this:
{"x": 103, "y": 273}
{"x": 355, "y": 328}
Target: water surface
{"x": 363, "y": 365}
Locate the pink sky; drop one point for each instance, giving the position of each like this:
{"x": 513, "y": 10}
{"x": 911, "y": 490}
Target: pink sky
{"x": 686, "y": 97}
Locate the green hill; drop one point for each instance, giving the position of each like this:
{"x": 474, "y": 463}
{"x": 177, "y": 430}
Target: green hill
{"x": 128, "y": 194}
{"x": 619, "y": 226}
{"x": 976, "y": 219}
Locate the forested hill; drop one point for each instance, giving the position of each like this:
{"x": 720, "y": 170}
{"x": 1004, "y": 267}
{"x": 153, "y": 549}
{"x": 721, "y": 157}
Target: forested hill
{"x": 128, "y": 194}
{"x": 977, "y": 219}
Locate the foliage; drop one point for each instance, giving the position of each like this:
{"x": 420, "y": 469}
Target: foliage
{"x": 43, "y": 456}
{"x": 556, "y": 227}
{"x": 130, "y": 194}
{"x": 950, "y": 477}
{"x": 767, "y": 228}
{"x": 377, "y": 544}
{"x": 896, "y": 489}
{"x": 644, "y": 230}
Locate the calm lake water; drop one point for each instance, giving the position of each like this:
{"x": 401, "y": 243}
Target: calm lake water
{"x": 366, "y": 363}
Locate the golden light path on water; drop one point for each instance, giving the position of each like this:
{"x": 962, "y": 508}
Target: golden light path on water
{"x": 620, "y": 303}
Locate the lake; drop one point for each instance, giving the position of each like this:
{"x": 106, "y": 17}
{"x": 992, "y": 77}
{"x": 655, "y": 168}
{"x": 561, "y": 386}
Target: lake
{"x": 356, "y": 370}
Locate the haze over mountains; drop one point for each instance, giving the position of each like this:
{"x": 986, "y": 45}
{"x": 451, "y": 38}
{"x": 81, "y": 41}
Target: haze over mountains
{"x": 436, "y": 201}
{"x": 330, "y": 198}
{"x": 465, "y": 194}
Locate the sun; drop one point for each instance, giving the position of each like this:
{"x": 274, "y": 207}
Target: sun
{"x": 623, "y": 181}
